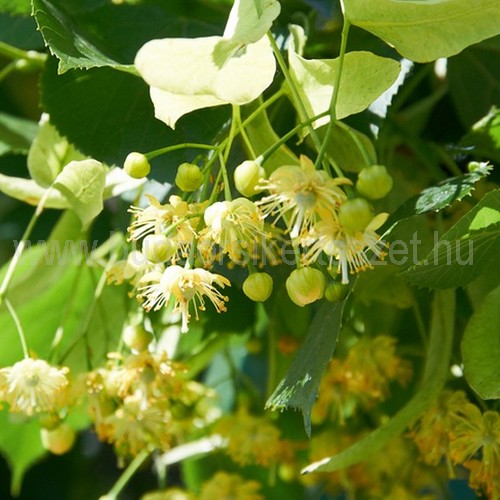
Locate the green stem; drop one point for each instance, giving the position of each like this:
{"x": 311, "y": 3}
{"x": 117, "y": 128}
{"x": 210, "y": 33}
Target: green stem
{"x": 175, "y": 147}
{"x": 335, "y": 95}
{"x": 19, "y": 328}
{"x": 270, "y": 151}
{"x": 303, "y": 115}
{"x": 11, "y": 67}
{"x": 241, "y": 130}
{"x": 225, "y": 177}
{"x": 127, "y": 474}
{"x": 22, "y": 245}
{"x": 35, "y": 58}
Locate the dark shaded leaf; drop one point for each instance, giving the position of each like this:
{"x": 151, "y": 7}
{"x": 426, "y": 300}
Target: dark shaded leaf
{"x": 299, "y": 387}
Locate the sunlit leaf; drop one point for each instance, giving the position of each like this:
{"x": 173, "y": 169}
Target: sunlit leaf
{"x": 82, "y": 183}
{"x": 49, "y": 153}
{"x": 184, "y": 75}
{"x": 364, "y": 77}
{"x": 433, "y": 379}
{"x": 468, "y": 249}
{"x": 30, "y": 192}
{"x": 481, "y": 347}
{"x": 426, "y": 30}
{"x": 250, "y": 20}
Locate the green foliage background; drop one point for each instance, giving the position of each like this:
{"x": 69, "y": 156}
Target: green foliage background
{"x": 427, "y": 133}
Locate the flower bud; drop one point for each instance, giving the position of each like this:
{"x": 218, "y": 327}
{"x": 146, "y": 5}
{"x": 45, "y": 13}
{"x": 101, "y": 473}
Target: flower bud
{"x": 355, "y": 214}
{"x": 247, "y": 176}
{"x": 59, "y": 440}
{"x": 305, "y": 285}
{"x": 158, "y": 248}
{"x": 137, "y": 165}
{"x": 136, "y": 337}
{"x": 374, "y": 182}
{"x": 258, "y": 287}
{"x": 189, "y": 177}
{"x": 335, "y": 292}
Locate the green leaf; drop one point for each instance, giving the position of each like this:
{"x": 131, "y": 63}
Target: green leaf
{"x": 299, "y": 387}
{"x": 82, "y": 183}
{"x": 115, "y": 117}
{"x": 474, "y": 80}
{"x": 484, "y": 138}
{"x": 441, "y": 196}
{"x": 16, "y": 134}
{"x": 465, "y": 251}
{"x": 21, "y": 445}
{"x": 20, "y": 32}
{"x": 49, "y": 153}
{"x": 96, "y": 34}
{"x": 68, "y": 39}
{"x": 481, "y": 348}
{"x": 30, "y": 192}
{"x": 365, "y": 76}
{"x": 426, "y": 30}
{"x": 433, "y": 380}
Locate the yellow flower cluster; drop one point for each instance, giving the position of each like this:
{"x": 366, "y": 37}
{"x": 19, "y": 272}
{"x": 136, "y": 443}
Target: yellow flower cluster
{"x": 298, "y": 205}
{"x": 457, "y": 431}
{"x": 143, "y": 400}
{"x": 253, "y": 440}
{"x": 361, "y": 380}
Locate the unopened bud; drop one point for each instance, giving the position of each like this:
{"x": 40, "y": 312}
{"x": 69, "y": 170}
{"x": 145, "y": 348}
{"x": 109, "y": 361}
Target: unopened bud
{"x": 189, "y": 177}
{"x": 158, "y": 248}
{"x": 247, "y": 176}
{"x": 258, "y": 287}
{"x": 355, "y": 214}
{"x": 137, "y": 165}
{"x": 305, "y": 285}
{"x": 374, "y": 182}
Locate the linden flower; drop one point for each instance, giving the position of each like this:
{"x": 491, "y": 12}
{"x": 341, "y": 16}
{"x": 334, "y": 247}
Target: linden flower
{"x": 479, "y": 432}
{"x": 176, "y": 219}
{"x": 185, "y": 285}
{"x": 347, "y": 246}
{"x": 298, "y": 192}
{"x": 236, "y": 226}
{"x": 33, "y": 386}
{"x": 227, "y": 486}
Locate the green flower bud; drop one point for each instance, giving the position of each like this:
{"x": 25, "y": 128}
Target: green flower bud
{"x": 136, "y": 337}
{"x": 258, "y": 287}
{"x": 305, "y": 285}
{"x": 59, "y": 440}
{"x": 189, "y": 177}
{"x": 355, "y": 214}
{"x": 158, "y": 248}
{"x": 336, "y": 292}
{"x": 247, "y": 176}
{"x": 137, "y": 165}
{"x": 374, "y": 182}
